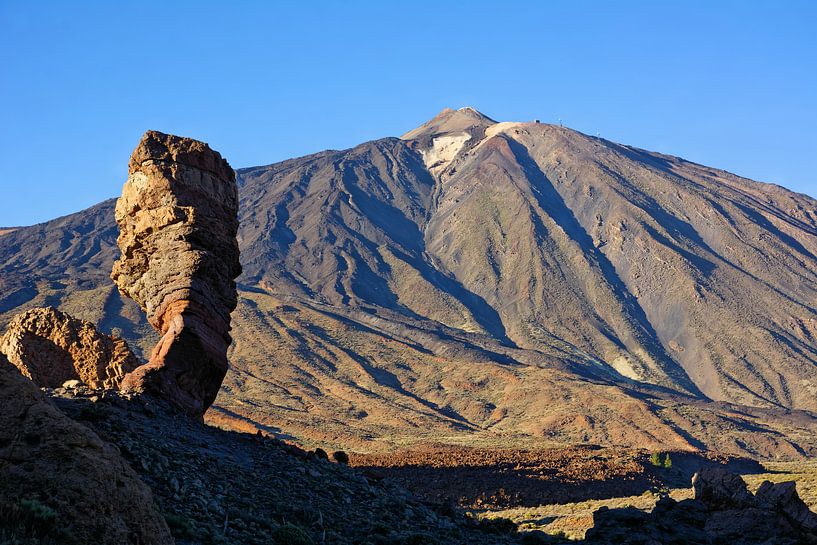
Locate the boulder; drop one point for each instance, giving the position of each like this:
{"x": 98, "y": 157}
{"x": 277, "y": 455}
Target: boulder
{"x": 783, "y": 498}
{"x": 719, "y": 488}
{"x": 59, "y": 482}
{"x": 50, "y": 347}
{"x": 750, "y": 525}
{"x": 178, "y": 221}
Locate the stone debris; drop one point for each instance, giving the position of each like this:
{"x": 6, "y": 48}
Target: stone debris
{"x": 61, "y": 481}
{"x": 264, "y": 489}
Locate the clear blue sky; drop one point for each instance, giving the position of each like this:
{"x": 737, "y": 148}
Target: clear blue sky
{"x": 728, "y": 84}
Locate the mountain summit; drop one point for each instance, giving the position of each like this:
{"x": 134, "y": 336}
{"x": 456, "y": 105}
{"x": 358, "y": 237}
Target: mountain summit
{"x": 451, "y": 121}
{"x": 474, "y": 279}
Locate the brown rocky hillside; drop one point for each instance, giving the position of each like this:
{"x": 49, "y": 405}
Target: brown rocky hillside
{"x": 480, "y": 283}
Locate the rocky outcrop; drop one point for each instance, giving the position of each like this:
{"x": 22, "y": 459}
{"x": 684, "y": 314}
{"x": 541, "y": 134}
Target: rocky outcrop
{"x": 782, "y": 497}
{"x": 50, "y": 347}
{"x": 719, "y": 488}
{"x": 722, "y": 511}
{"x": 61, "y": 482}
{"x": 178, "y": 221}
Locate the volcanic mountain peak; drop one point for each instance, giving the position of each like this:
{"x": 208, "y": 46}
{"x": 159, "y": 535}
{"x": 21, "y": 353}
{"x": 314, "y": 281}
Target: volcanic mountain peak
{"x": 450, "y": 121}
{"x": 452, "y": 133}
{"x": 477, "y": 277}
{"x": 442, "y": 138}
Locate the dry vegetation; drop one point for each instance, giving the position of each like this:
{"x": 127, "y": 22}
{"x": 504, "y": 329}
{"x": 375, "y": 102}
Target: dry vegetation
{"x": 803, "y": 472}
{"x": 572, "y": 520}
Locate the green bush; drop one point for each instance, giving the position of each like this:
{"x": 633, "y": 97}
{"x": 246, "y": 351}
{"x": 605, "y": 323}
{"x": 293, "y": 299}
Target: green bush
{"x": 28, "y": 515}
{"x": 30, "y": 521}
{"x": 179, "y": 526}
{"x": 290, "y": 534}
{"x": 659, "y": 459}
{"x": 38, "y": 513}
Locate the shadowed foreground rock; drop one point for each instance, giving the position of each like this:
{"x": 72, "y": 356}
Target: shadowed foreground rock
{"x": 178, "y": 221}
{"x": 51, "y": 347}
{"x": 60, "y": 482}
{"x": 722, "y": 511}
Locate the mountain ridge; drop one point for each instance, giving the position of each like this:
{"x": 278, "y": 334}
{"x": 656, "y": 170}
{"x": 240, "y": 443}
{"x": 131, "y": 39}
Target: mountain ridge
{"x": 484, "y": 277}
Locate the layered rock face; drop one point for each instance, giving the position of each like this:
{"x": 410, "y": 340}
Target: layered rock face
{"x": 48, "y": 459}
{"x": 50, "y": 347}
{"x": 178, "y": 221}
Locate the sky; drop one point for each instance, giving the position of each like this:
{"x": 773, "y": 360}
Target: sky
{"x": 731, "y": 85}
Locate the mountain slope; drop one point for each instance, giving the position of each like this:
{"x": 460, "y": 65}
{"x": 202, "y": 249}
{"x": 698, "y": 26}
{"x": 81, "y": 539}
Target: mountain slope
{"x": 669, "y": 272}
{"x": 723, "y": 268}
{"x": 475, "y": 280}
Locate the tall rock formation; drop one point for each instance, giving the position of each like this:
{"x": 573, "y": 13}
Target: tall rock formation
{"x": 178, "y": 221}
{"x": 52, "y": 464}
{"x": 50, "y": 347}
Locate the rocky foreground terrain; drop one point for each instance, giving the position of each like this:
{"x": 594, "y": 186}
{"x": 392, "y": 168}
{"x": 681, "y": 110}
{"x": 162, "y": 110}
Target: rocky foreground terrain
{"x": 181, "y": 481}
{"x": 216, "y": 486}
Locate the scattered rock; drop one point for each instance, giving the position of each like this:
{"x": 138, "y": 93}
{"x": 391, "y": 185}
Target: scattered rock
{"x": 57, "y": 465}
{"x": 178, "y": 221}
{"x": 723, "y": 511}
{"x": 233, "y": 489}
{"x": 53, "y": 349}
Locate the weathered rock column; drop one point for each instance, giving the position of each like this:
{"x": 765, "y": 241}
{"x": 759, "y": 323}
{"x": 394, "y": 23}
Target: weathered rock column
{"x": 177, "y": 218}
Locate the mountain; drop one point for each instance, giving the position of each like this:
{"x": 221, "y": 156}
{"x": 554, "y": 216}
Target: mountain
{"x": 491, "y": 283}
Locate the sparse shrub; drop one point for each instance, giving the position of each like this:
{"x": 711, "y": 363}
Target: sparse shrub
{"x": 340, "y": 457}
{"x": 290, "y": 534}
{"x": 39, "y": 513}
{"x": 660, "y": 459}
{"x": 29, "y": 519}
{"x": 179, "y": 526}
